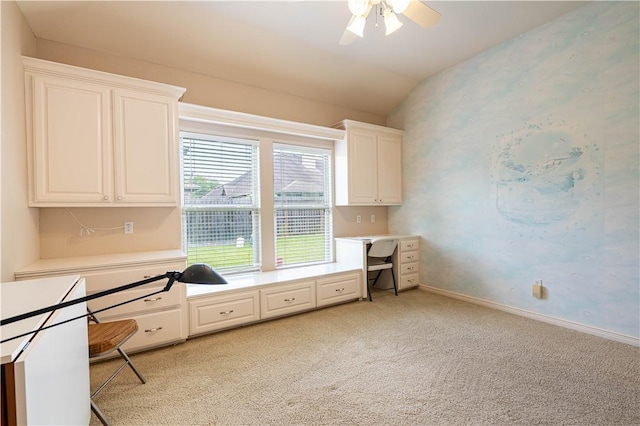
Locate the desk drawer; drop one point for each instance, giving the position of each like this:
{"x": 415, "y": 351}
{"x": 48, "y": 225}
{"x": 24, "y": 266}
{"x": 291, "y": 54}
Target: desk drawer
{"x": 409, "y": 245}
{"x": 156, "y": 302}
{"x": 408, "y": 257}
{"x": 218, "y": 312}
{"x": 410, "y": 280}
{"x": 338, "y": 289}
{"x": 157, "y": 329}
{"x": 287, "y": 299}
{"x": 409, "y": 268}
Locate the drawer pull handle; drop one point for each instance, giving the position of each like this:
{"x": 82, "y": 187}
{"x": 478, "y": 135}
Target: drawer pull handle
{"x": 290, "y": 299}
{"x": 153, "y": 330}
{"x": 340, "y": 289}
{"x": 155, "y": 299}
{"x": 226, "y": 312}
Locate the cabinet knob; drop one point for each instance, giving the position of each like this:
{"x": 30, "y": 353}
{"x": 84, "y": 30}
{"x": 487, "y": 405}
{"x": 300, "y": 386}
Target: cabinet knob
{"x": 290, "y": 299}
{"x": 155, "y": 299}
{"x": 153, "y": 330}
{"x": 119, "y": 197}
{"x": 340, "y": 289}
{"x": 226, "y": 312}
{"x": 105, "y": 197}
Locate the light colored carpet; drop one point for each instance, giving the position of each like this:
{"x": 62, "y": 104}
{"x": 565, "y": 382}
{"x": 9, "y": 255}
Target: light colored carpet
{"x": 415, "y": 359}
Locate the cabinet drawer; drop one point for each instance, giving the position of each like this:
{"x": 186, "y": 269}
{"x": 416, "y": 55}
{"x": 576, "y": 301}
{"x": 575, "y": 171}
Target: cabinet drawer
{"x": 156, "y": 329}
{"x": 338, "y": 289}
{"x": 156, "y": 302}
{"x": 410, "y": 280}
{"x": 101, "y": 280}
{"x": 408, "y": 257}
{"x": 215, "y": 313}
{"x": 287, "y": 299}
{"x": 409, "y": 245}
{"x": 409, "y": 268}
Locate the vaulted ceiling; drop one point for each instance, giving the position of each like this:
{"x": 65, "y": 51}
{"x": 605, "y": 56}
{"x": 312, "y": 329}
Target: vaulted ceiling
{"x": 291, "y": 46}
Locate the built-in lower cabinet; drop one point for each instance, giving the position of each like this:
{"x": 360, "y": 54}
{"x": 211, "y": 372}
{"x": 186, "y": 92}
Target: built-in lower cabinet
{"x": 170, "y": 317}
{"x": 162, "y": 317}
{"x": 240, "y": 302}
{"x": 223, "y": 311}
{"x": 408, "y": 269}
{"x": 406, "y": 260}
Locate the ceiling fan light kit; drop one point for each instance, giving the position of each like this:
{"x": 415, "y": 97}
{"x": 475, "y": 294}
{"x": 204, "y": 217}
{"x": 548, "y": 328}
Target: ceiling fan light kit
{"x": 413, "y": 9}
{"x": 391, "y": 22}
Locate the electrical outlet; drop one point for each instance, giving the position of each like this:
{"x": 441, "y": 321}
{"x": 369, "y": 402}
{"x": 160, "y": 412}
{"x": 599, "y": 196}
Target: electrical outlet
{"x": 537, "y": 290}
{"x": 373, "y": 218}
{"x": 128, "y": 227}
{"x": 358, "y": 219}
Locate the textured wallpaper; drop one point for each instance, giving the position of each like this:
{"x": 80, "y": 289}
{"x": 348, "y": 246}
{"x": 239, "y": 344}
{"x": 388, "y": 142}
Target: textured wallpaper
{"x": 522, "y": 164}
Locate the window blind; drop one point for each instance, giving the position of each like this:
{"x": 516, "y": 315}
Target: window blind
{"x": 302, "y": 204}
{"x": 221, "y": 215}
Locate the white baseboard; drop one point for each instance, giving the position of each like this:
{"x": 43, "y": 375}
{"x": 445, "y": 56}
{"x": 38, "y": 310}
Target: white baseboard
{"x": 630, "y": 340}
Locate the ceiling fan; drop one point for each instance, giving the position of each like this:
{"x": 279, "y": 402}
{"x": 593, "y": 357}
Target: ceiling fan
{"x": 415, "y": 10}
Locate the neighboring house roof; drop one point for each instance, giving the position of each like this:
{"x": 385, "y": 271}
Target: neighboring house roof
{"x": 291, "y": 179}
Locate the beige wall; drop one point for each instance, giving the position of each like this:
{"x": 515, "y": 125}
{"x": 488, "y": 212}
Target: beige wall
{"x": 206, "y": 90}
{"x": 19, "y": 224}
{"x": 158, "y": 229}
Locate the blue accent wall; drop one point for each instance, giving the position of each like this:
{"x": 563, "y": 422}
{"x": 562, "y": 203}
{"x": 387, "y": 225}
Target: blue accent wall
{"x": 522, "y": 164}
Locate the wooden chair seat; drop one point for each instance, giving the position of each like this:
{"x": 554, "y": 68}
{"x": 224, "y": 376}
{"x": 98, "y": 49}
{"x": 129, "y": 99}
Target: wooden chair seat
{"x": 108, "y": 336}
{"x": 105, "y": 337}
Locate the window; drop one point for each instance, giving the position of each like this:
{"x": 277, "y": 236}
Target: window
{"x": 302, "y": 204}
{"x": 221, "y": 212}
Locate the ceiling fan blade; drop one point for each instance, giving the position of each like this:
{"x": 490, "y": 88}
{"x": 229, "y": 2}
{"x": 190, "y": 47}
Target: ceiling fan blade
{"x": 348, "y": 37}
{"x": 421, "y": 14}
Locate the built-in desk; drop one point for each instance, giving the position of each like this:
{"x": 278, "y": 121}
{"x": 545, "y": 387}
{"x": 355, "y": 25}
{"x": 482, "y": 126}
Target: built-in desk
{"x": 45, "y": 374}
{"x": 353, "y": 251}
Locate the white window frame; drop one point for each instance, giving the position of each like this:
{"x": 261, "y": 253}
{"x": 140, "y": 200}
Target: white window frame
{"x": 268, "y": 131}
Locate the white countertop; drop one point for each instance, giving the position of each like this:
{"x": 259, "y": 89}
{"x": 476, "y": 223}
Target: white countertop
{"x": 256, "y": 279}
{"x": 18, "y": 297}
{"x": 74, "y": 265}
{"x": 369, "y": 238}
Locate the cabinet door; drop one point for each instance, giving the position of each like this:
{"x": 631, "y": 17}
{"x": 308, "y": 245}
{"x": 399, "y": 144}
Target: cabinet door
{"x": 287, "y": 299}
{"x": 338, "y": 289}
{"x": 389, "y": 170}
{"x": 146, "y": 148}
{"x": 363, "y": 161}
{"x": 223, "y": 311}
{"x": 71, "y": 160}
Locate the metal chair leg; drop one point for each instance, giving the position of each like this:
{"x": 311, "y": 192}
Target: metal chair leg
{"x": 113, "y": 376}
{"x": 393, "y": 277}
{"x": 99, "y": 414}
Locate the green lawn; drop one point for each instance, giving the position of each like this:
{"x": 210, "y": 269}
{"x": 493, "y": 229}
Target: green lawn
{"x": 296, "y": 249}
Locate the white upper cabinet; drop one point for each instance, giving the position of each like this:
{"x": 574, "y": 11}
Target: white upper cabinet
{"x": 98, "y": 139}
{"x": 368, "y": 165}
